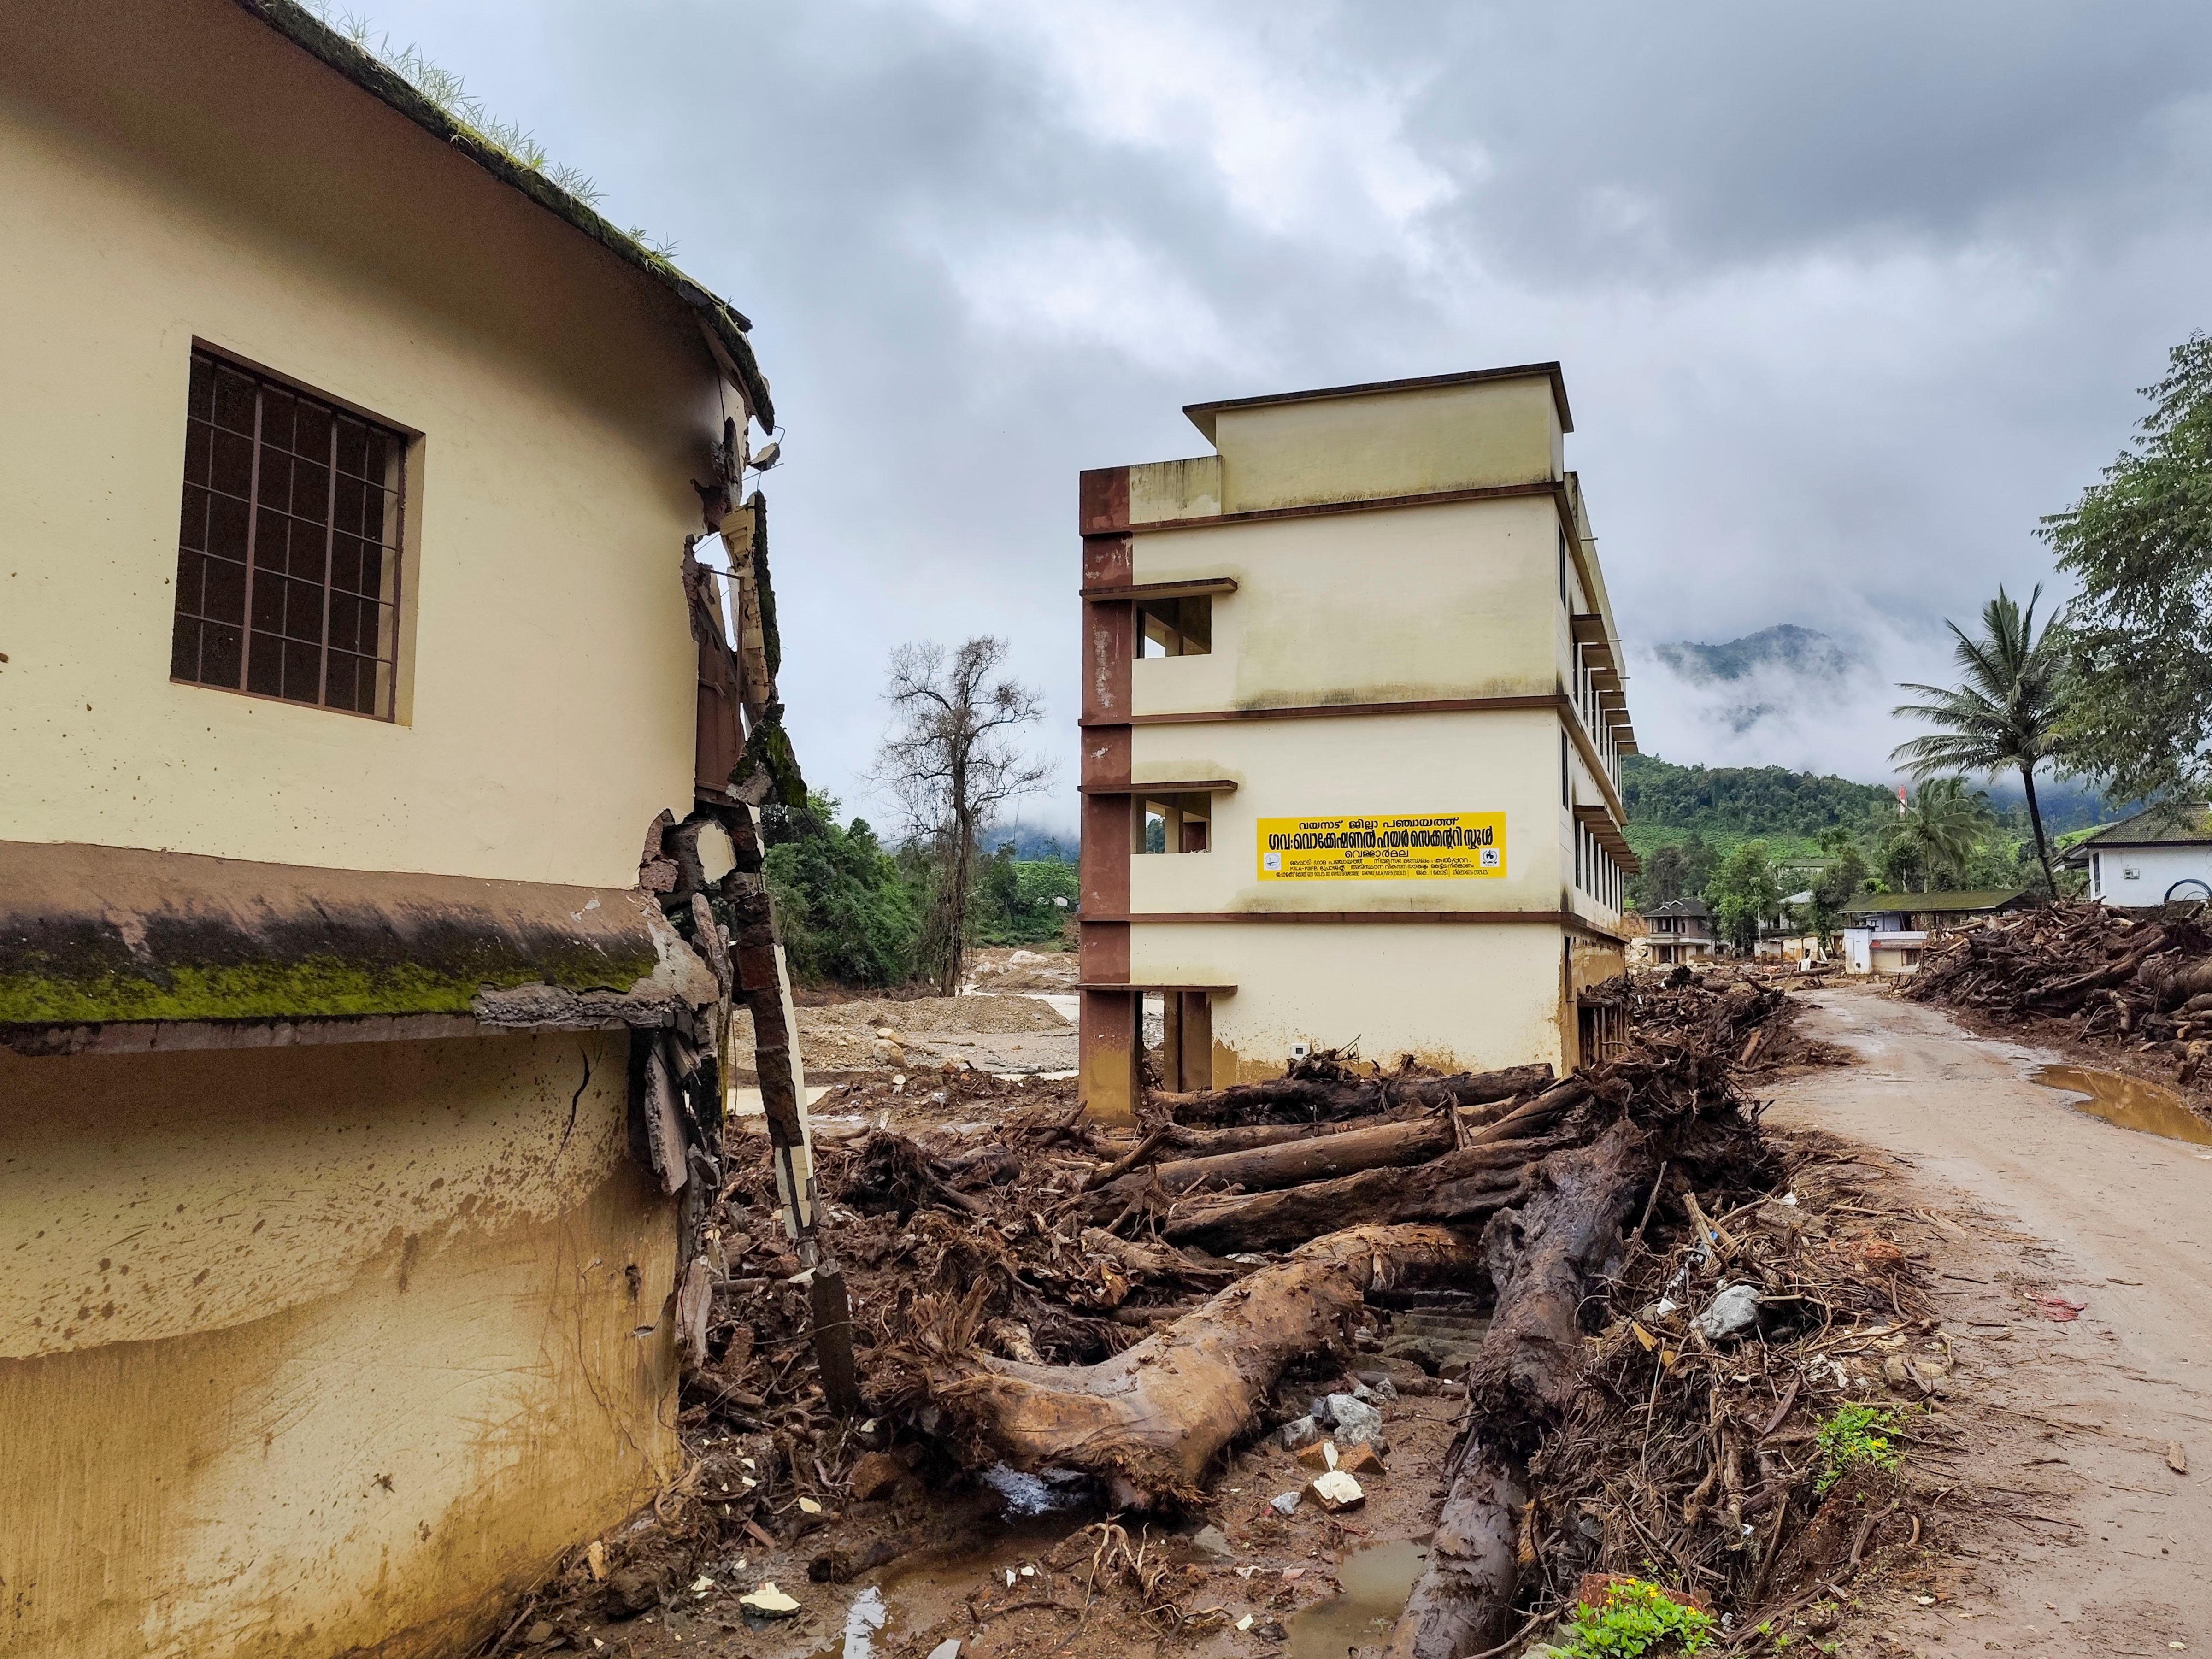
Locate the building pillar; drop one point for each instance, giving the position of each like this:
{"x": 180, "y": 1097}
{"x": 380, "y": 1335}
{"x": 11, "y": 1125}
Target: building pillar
{"x": 1110, "y": 1026}
{"x": 1194, "y": 1045}
{"x": 1108, "y": 1038}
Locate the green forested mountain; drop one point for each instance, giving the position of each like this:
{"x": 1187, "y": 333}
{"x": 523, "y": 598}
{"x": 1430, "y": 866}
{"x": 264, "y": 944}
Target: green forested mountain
{"x": 1726, "y": 803}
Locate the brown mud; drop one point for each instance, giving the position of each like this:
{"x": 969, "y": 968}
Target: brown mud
{"x": 2016, "y": 1282}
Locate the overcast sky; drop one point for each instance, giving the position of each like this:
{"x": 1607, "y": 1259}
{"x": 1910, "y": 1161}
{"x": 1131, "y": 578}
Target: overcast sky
{"x": 1846, "y": 296}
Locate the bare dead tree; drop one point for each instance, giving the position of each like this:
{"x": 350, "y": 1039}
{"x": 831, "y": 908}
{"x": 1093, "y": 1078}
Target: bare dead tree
{"x": 951, "y": 762}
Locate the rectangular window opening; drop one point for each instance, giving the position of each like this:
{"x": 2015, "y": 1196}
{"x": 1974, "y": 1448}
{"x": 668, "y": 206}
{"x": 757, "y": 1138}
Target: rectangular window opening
{"x": 289, "y": 546}
{"x": 1176, "y": 627}
{"x": 1175, "y": 824}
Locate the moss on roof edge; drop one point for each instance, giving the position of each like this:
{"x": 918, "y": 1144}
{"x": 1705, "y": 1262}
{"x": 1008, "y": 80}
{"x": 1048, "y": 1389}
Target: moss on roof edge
{"x": 309, "y": 33}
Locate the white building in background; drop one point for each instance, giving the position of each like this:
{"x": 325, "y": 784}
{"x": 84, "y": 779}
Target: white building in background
{"x": 2160, "y": 855}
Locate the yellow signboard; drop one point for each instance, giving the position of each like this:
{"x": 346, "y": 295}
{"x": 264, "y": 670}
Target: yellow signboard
{"x": 1399, "y": 847}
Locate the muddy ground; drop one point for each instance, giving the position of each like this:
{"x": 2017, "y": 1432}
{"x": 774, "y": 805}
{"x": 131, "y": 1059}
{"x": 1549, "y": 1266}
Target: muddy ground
{"x": 2095, "y": 1542}
{"x": 1015, "y": 1015}
{"x": 2048, "y": 1353}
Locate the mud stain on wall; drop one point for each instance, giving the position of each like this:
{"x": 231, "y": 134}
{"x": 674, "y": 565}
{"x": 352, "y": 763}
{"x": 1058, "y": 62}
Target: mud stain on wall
{"x": 325, "y": 1349}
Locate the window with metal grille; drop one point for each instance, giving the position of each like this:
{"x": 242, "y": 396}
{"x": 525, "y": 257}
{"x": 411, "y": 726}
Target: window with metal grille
{"x": 288, "y": 557}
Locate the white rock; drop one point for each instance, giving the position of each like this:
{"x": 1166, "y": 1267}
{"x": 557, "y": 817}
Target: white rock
{"x": 1735, "y": 1310}
{"x": 769, "y": 1601}
{"x": 1356, "y": 1422}
{"x": 1336, "y": 1491}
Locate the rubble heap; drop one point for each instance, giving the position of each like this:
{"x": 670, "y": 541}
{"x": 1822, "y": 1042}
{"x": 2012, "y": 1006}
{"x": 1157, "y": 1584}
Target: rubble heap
{"x": 2144, "y": 980}
{"x": 1036, "y": 1298}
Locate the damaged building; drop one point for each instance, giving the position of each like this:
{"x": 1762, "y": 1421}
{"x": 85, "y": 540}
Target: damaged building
{"x": 1353, "y": 718}
{"x": 378, "y": 860}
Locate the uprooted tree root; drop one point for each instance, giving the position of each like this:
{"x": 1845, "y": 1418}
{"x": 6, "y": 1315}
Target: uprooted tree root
{"x": 2141, "y": 981}
{"x": 1035, "y": 1292}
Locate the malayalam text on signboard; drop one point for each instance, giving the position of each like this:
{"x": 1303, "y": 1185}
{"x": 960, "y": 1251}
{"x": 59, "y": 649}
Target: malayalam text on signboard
{"x": 1393, "y": 847}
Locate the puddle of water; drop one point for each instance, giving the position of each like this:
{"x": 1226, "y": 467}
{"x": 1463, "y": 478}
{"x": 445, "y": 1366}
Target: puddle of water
{"x": 1040, "y": 1493}
{"x": 1375, "y": 1581}
{"x": 2130, "y": 1101}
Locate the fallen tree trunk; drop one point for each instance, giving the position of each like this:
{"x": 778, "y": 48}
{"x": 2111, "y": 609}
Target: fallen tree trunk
{"x": 1459, "y": 1186}
{"x": 1314, "y": 1098}
{"x": 1150, "y": 1419}
{"x": 1309, "y": 1157}
{"x": 1206, "y": 1143}
{"x": 1542, "y": 1258}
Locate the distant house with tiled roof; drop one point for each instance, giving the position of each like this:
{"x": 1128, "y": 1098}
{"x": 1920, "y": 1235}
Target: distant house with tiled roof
{"x": 1681, "y": 930}
{"x": 2160, "y": 854}
{"x": 1884, "y": 933}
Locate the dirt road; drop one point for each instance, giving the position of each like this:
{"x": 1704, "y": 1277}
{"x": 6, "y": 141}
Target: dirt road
{"x": 2077, "y": 1416}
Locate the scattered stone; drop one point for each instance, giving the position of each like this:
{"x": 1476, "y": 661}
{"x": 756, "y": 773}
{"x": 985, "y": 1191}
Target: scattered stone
{"x": 540, "y": 1632}
{"x": 769, "y": 1603}
{"x": 1298, "y": 1432}
{"x": 1733, "y": 1310}
{"x": 1335, "y": 1492}
{"x": 1211, "y": 1541}
{"x": 1321, "y": 1454}
{"x": 1362, "y": 1459}
{"x": 1285, "y": 1502}
{"x": 876, "y": 1474}
{"x": 1356, "y": 1420}
{"x": 949, "y": 1649}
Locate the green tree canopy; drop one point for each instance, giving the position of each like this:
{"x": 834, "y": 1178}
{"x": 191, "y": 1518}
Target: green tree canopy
{"x": 2137, "y": 697}
{"x": 847, "y": 912}
{"x": 2003, "y": 714}
{"x": 1744, "y": 894}
{"x": 1935, "y": 837}
{"x": 1678, "y": 870}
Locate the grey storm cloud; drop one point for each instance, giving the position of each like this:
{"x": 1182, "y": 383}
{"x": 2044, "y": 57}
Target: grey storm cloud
{"x": 1846, "y": 296}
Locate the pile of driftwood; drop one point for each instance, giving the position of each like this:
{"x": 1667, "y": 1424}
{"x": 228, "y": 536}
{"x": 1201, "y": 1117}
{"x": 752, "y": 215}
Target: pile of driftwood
{"x": 2142, "y": 979}
{"x": 1030, "y": 1291}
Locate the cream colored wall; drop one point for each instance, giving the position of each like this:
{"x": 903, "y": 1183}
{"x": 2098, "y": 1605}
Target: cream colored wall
{"x": 1481, "y": 762}
{"x": 1160, "y": 491}
{"x": 1475, "y": 435}
{"x": 173, "y": 170}
{"x": 1467, "y": 995}
{"x": 322, "y": 1343}
{"x": 1415, "y": 604}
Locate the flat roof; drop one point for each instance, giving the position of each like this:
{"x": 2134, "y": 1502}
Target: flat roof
{"x": 1202, "y": 415}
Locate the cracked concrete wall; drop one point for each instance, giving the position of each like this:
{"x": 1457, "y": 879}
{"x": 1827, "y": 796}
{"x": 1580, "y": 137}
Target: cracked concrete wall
{"x": 319, "y": 1350}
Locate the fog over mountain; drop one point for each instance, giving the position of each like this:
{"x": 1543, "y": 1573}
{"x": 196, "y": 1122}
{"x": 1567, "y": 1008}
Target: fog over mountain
{"x": 1785, "y": 695}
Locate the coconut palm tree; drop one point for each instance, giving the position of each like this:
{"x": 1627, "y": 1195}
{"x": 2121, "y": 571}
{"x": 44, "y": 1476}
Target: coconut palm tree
{"x": 2003, "y": 718}
{"x": 1940, "y": 826}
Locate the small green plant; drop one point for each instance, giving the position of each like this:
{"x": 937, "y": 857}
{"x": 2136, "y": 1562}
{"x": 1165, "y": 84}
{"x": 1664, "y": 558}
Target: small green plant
{"x": 1635, "y": 1618}
{"x": 1856, "y": 1437}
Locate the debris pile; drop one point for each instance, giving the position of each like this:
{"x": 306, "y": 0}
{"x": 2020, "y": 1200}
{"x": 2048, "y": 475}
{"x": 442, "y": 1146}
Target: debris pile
{"x": 2143, "y": 980}
{"x": 1044, "y": 1310}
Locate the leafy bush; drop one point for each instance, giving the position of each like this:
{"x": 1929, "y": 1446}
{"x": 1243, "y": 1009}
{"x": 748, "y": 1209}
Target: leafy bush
{"x": 1856, "y": 1437}
{"x": 1635, "y": 1618}
{"x": 847, "y": 911}
{"x": 1015, "y": 899}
